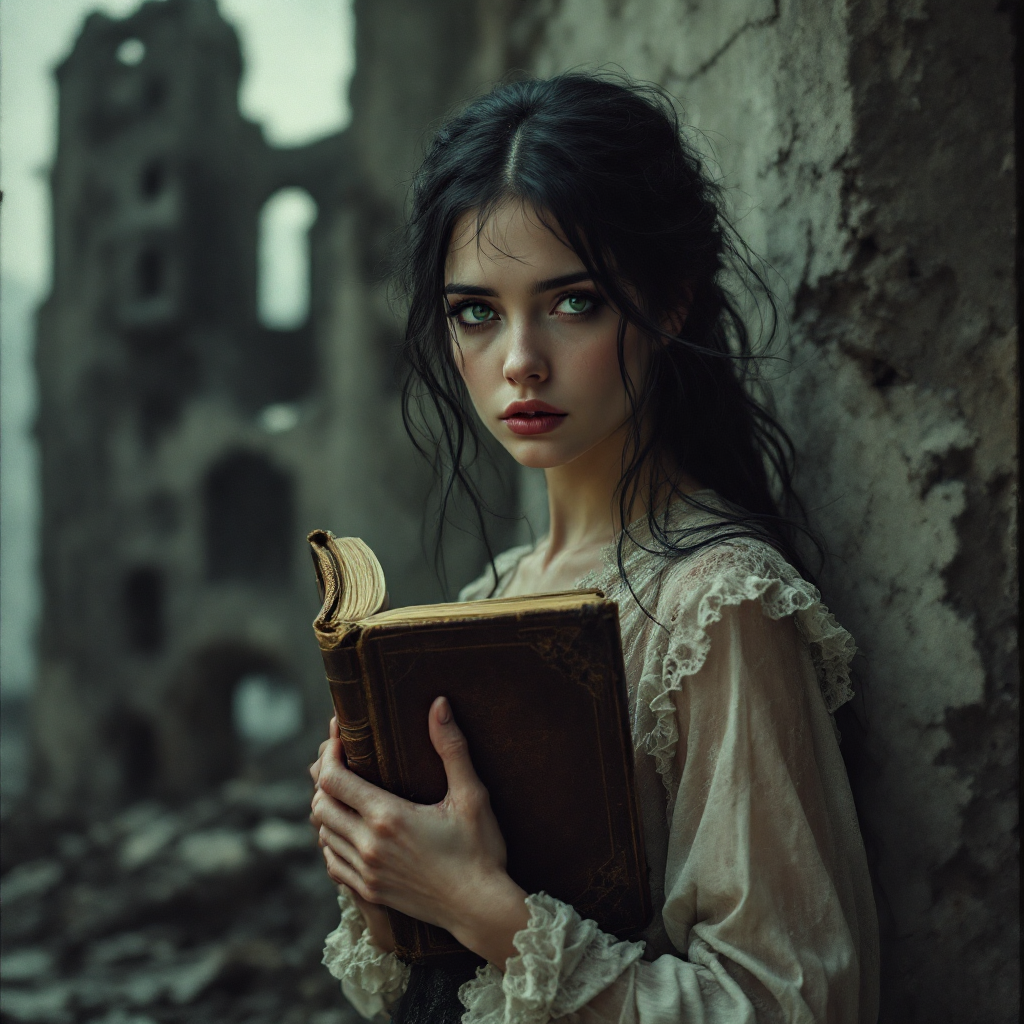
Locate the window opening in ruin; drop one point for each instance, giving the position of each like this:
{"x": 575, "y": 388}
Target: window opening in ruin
{"x": 284, "y": 267}
{"x": 131, "y": 52}
{"x": 132, "y": 739}
{"x": 143, "y": 597}
{"x": 208, "y": 733}
{"x": 151, "y": 181}
{"x": 266, "y": 710}
{"x": 249, "y": 520}
{"x": 150, "y": 273}
{"x": 280, "y": 417}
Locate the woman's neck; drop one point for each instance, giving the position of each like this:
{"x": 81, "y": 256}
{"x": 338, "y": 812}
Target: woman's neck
{"x": 583, "y": 507}
{"x": 583, "y": 499}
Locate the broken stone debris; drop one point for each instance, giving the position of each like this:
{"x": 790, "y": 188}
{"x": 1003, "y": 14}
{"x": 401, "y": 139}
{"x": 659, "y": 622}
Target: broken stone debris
{"x": 211, "y": 911}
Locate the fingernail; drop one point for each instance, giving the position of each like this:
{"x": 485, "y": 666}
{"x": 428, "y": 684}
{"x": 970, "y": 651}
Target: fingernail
{"x": 444, "y": 712}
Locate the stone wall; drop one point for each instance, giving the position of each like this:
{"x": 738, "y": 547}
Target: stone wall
{"x": 869, "y": 147}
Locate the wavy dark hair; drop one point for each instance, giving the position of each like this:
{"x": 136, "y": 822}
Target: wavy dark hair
{"x": 604, "y": 161}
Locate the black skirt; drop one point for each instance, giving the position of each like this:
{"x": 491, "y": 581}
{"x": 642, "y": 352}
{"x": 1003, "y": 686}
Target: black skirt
{"x": 432, "y": 996}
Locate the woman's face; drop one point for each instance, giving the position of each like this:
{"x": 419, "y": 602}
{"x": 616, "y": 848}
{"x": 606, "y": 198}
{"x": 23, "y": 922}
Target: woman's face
{"x": 535, "y": 341}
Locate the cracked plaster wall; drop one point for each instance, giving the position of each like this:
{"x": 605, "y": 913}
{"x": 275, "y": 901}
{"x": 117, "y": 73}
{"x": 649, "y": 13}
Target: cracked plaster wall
{"x": 869, "y": 146}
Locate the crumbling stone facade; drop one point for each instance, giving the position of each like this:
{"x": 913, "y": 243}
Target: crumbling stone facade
{"x": 187, "y": 448}
{"x": 170, "y": 547}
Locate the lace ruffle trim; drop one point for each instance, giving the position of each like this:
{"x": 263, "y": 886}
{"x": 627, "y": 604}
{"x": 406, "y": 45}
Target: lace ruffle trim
{"x": 562, "y": 962}
{"x": 372, "y": 980}
{"x": 831, "y": 647}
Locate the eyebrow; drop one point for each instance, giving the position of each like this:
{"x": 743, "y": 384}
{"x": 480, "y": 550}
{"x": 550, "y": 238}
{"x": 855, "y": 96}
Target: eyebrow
{"x": 457, "y": 288}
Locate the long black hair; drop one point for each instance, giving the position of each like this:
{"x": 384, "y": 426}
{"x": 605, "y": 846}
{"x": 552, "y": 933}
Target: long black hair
{"x": 603, "y": 161}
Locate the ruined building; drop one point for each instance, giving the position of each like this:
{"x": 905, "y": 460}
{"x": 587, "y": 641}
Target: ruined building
{"x": 170, "y": 549}
{"x": 188, "y": 444}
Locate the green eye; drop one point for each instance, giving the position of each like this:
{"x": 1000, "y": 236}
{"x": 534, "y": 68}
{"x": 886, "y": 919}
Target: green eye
{"x": 576, "y": 304}
{"x": 477, "y": 313}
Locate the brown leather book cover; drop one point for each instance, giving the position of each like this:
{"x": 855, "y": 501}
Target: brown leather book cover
{"x": 537, "y": 685}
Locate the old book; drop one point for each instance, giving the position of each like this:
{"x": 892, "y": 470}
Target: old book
{"x": 538, "y": 687}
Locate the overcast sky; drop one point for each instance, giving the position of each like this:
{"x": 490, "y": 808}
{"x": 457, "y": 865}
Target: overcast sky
{"x": 298, "y": 56}
{"x": 298, "y": 61}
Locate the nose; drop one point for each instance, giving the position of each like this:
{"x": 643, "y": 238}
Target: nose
{"x": 525, "y": 362}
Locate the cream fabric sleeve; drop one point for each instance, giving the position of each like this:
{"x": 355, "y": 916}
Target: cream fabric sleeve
{"x": 372, "y": 981}
{"x": 767, "y": 898}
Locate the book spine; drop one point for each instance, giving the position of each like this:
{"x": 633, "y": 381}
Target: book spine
{"x": 345, "y": 677}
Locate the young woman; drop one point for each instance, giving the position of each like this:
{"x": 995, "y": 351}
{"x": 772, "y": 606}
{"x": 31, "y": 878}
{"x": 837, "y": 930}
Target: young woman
{"x": 566, "y": 258}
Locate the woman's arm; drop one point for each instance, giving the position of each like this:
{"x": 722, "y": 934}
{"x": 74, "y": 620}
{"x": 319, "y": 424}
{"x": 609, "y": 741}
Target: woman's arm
{"x": 766, "y": 878}
{"x": 440, "y": 863}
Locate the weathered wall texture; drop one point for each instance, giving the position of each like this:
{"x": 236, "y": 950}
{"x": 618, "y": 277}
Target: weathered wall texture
{"x": 870, "y": 145}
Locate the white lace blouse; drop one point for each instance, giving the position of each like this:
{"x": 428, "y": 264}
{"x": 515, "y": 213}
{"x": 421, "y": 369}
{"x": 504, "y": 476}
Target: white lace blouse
{"x": 764, "y": 905}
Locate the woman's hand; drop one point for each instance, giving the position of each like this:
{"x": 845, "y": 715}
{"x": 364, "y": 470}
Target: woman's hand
{"x": 440, "y": 863}
{"x": 334, "y": 734}
{"x": 374, "y": 915}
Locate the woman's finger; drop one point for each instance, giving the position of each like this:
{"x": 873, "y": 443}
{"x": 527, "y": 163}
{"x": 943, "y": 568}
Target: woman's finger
{"x": 451, "y": 746}
{"x": 340, "y": 871}
{"x": 341, "y": 846}
{"x": 377, "y": 923}
{"x": 365, "y": 906}
{"x": 322, "y": 801}
{"x": 337, "y": 781}
{"x": 314, "y": 768}
{"x": 339, "y": 818}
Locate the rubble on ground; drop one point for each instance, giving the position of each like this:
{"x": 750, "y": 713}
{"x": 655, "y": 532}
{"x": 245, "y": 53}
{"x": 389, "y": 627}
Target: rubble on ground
{"x": 214, "y": 911}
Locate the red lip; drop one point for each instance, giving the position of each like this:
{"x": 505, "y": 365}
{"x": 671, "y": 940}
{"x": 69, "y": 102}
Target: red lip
{"x": 532, "y": 417}
{"x": 532, "y": 406}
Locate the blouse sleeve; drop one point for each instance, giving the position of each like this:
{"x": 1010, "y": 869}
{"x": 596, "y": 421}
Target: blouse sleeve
{"x": 767, "y": 899}
{"x": 372, "y": 981}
